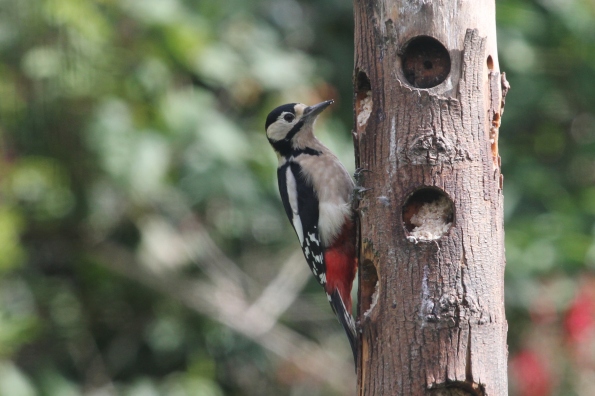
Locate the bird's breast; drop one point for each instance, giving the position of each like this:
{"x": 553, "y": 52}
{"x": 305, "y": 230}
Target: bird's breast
{"x": 333, "y": 186}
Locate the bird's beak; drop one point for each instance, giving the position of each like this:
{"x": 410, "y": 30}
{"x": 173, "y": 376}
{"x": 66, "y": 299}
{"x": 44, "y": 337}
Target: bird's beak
{"x": 311, "y": 112}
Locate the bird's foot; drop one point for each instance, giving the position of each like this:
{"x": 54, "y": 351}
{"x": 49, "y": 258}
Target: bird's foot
{"x": 358, "y": 190}
{"x": 358, "y": 175}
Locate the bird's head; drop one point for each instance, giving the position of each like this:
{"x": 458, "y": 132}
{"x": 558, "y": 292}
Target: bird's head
{"x": 290, "y": 125}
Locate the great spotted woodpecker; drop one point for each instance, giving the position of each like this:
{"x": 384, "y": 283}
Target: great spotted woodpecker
{"x": 316, "y": 190}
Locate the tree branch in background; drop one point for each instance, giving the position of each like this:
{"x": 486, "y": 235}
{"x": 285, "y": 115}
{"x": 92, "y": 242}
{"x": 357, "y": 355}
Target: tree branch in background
{"x": 256, "y": 321}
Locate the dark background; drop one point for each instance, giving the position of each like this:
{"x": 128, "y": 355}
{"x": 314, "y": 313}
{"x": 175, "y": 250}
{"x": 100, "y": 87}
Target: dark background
{"x": 139, "y": 212}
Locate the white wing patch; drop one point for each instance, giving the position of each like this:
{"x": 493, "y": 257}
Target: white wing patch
{"x": 293, "y": 203}
{"x": 314, "y": 256}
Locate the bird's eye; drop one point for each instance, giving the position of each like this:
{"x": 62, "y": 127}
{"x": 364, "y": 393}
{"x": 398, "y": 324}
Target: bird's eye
{"x": 289, "y": 117}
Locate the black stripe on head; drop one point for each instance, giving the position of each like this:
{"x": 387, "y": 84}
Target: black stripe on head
{"x": 274, "y": 115}
{"x": 283, "y": 146}
{"x": 307, "y": 151}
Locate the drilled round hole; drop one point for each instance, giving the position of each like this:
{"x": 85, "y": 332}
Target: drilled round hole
{"x": 363, "y": 99}
{"x": 368, "y": 286}
{"x": 490, "y": 63}
{"x": 428, "y": 214}
{"x": 426, "y": 62}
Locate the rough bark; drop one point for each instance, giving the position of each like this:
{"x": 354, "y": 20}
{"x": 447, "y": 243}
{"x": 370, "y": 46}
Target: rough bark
{"x": 431, "y": 313}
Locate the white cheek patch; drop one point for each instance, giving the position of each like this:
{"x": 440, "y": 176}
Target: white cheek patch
{"x": 277, "y": 131}
{"x": 331, "y": 219}
{"x": 280, "y": 128}
{"x": 293, "y": 203}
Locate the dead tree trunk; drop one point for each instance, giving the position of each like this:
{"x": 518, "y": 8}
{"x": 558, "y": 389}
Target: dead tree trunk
{"x": 428, "y": 101}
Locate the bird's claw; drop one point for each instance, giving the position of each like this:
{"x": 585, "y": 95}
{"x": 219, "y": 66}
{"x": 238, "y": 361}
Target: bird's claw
{"x": 357, "y": 175}
{"x": 358, "y": 190}
{"x": 356, "y": 196}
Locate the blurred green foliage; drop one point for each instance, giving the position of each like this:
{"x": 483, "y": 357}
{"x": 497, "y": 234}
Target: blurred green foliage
{"x": 120, "y": 116}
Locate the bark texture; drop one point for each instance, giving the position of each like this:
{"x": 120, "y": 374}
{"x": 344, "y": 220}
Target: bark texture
{"x": 431, "y": 313}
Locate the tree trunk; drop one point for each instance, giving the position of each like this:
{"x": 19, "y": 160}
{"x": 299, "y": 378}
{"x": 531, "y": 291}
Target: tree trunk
{"x": 428, "y": 101}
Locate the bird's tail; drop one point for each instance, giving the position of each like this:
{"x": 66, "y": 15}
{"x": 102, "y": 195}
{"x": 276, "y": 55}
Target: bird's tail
{"x": 346, "y": 321}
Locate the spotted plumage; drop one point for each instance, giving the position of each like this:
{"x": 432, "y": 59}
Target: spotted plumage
{"x": 315, "y": 190}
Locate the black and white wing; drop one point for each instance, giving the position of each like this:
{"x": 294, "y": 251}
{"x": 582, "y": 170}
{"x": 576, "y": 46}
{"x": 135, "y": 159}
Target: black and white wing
{"x": 301, "y": 206}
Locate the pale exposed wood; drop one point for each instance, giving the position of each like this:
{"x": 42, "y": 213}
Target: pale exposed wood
{"x": 431, "y": 313}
